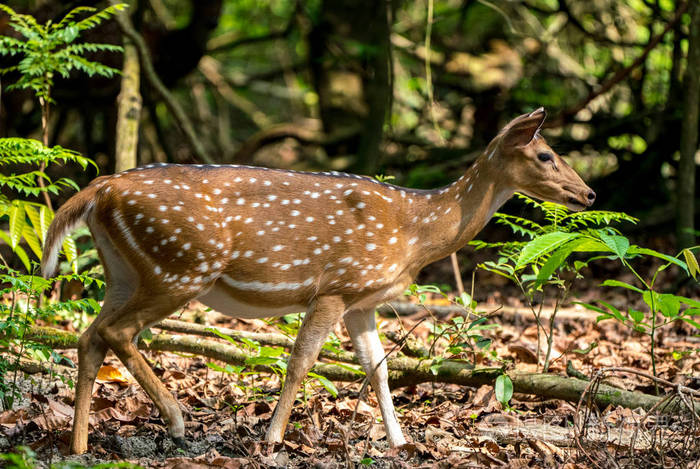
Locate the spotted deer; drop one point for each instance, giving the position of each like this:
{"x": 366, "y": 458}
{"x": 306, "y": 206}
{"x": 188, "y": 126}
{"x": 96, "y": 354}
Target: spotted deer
{"x": 258, "y": 242}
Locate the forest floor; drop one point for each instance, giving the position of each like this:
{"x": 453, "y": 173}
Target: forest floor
{"x": 446, "y": 425}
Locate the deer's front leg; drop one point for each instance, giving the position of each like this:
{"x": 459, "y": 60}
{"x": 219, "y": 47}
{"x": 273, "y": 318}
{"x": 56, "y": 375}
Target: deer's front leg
{"x": 317, "y": 324}
{"x": 362, "y": 328}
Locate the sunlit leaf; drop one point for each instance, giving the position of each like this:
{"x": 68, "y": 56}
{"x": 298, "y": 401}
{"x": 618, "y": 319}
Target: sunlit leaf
{"x": 619, "y": 283}
{"x": 503, "y": 389}
{"x": 618, "y": 244}
{"x": 543, "y": 245}
{"x": 17, "y": 221}
{"x": 692, "y": 262}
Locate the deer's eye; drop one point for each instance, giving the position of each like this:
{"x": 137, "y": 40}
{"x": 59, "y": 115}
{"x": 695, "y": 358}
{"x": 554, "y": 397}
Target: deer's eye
{"x": 545, "y": 157}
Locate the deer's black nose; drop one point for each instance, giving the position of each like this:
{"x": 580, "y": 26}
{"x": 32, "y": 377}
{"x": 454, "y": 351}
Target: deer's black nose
{"x": 591, "y": 196}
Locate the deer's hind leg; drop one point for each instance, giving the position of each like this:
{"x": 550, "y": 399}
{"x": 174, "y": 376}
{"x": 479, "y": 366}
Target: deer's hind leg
{"x": 91, "y": 353}
{"x": 92, "y": 348}
{"x": 129, "y": 307}
{"x": 120, "y": 330}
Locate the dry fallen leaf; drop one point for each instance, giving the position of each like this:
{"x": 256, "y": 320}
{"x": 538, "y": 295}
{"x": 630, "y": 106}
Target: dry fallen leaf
{"x": 110, "y": 374}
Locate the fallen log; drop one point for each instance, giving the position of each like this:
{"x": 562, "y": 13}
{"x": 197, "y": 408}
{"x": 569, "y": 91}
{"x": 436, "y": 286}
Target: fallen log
{"x": 403, "y": 371}
{"x": 264, "y": 338}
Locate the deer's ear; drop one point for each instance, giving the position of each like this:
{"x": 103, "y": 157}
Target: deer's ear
{"x": 521, "y": 130}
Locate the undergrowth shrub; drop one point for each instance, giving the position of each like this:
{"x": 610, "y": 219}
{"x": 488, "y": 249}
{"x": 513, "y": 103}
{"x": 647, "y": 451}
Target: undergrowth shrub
{"x": 550, "y": 256}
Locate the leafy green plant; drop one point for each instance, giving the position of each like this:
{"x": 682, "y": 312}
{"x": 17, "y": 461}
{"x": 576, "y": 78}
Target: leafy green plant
{"x": 663, "y": 308}
{"x": 274, "y": 358}
{"x": 539, "y": 264}
{"x": 29, "y": 221}
{"x": 547, "y": 261}
{"x": 463, "y": 334}
{"x": 503, "y": 388}
{"x": 43, "y": 51}
{"x": 51, "y": 49}
{"x": 23, "y": 310}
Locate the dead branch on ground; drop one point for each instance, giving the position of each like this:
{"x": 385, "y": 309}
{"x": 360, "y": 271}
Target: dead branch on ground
{"x": 403, "y": 371}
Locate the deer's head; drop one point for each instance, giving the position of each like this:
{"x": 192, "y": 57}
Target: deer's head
{"x": 533, "y": 168}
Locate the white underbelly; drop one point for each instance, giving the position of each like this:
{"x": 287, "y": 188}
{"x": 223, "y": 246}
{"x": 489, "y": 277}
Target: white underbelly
{"x": 220, "y": 300}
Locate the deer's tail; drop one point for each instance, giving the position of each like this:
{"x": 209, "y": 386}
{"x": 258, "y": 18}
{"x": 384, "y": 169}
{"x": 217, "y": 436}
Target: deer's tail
{"x": 74, "y": 212}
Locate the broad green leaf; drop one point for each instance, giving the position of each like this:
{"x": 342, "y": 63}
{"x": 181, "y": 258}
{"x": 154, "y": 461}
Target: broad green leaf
{"x": 503, "y": 389}
{"x": 477, "y": 322}
{"x": 542, "y": 245}
{"x": 22, "y": 254}
{"x": 46, "y": 217}
{"x": 350, "y": 368}
{"x": 254, "y": 361}
{"x": 146, "y": 335}
{"x": 691, "y": 262}
{"x": 35, "y": 219}
{"x": 32, "y": 240}
{"x": 591, "y": 307}
{"x": 557, "y": 259}
{"x": 591, "y": 245}
{"x": 618, "y": 283}
{"x": 227, "y": 337}
{"x": 669, "y": 305}
{"x": 482, "y": 343}
{"x": 71, "y": 252}
{"x": 688, "y": 301}
{"x": 17, "y": 222}
{"x": 275, "y": 352}
{"x": 651, "y": 298}
{"x": 660, "y": 255}
{"x": 328, "y": 385}
{"x": 665, "y": 303}
{"x": 216, "y": 367}
{"x": 637, "y": 316}
{"x": 614, "y": 311}
{"x": 618, "y": 244}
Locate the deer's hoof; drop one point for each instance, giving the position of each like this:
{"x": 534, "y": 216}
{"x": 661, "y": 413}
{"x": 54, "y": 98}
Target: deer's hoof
{"x": 180, "y": 442}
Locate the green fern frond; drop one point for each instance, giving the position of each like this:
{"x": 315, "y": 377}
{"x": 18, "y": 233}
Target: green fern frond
{"x": 28, "y": 151}
{"x": 598, "y": 217}
{"x": 89, "y": 67}
{"x": 100, "y": 16}
{"x": 528, "y": 200}
{"x": 88, "y": 47}
{"x": 519, "y": 225}
{"x": 554, "y": 213}
{"x": 6, "y": 70}
{"x": 25, "y": 22}
{"x": 68, "y": 19}
{"x": 11, "y": 45}
{"x": 48, "y": 49}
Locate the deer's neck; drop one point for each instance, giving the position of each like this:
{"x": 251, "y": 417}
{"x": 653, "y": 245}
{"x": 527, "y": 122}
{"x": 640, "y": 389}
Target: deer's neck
{"x": 446, "y": 219}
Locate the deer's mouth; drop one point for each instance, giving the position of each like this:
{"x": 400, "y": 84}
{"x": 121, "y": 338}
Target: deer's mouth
{"x": 572, "y": 203}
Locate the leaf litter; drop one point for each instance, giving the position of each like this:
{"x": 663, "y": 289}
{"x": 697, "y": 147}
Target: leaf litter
{"x": 447, "y": 425}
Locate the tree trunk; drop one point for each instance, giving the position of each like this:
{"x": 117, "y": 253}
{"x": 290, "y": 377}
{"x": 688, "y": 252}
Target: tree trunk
{"x": 377, "y": 84}
{"x": 685, "y": 203}
{"x": 129, "y": 111}
{"x": 349, "y": 59}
